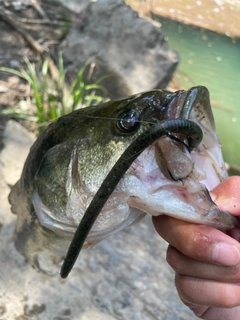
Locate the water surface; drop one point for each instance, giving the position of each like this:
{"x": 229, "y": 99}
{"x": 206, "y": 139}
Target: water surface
{"x": 213, "y": 60}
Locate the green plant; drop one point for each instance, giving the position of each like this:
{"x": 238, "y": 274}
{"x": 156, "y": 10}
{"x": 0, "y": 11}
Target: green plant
{"x": 52, "y": 98}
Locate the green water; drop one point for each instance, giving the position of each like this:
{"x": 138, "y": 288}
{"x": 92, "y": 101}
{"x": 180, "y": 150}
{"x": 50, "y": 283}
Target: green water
{"x": 211, "y": 60}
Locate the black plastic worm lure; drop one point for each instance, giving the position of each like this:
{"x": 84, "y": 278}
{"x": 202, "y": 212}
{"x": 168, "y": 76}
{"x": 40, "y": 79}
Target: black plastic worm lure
{"x": 194, "y": 135}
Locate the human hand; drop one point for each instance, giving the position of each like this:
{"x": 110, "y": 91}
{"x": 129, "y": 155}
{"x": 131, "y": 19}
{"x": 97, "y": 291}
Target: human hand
{"x": 206, "y": 261}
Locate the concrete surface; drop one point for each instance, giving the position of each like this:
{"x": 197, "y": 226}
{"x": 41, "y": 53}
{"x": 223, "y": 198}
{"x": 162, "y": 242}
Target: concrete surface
{"x": 124, "y": 277}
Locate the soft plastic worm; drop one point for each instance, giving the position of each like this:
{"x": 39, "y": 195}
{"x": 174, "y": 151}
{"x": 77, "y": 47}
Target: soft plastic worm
{"x": 194, "y": 135}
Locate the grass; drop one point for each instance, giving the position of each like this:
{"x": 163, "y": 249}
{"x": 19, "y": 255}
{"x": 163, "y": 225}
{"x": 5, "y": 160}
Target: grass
{"x": 52, "y": 98}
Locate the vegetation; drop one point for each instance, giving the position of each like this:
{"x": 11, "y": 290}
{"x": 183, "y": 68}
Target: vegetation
{"x": 52, "y": 98}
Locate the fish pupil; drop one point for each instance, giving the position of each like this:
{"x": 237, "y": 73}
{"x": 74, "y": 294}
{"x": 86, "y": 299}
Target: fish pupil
{"x": 128, "y": 121}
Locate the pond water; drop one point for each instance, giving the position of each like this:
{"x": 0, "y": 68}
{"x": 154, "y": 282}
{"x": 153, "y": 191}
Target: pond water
{"x": 212, "y": 60}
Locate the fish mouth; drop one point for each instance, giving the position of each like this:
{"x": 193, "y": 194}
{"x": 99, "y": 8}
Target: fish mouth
{"x": 193, "y": 105}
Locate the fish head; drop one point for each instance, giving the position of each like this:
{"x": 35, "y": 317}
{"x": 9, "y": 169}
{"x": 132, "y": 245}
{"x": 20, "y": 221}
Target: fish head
{"x": 170, "y": 176}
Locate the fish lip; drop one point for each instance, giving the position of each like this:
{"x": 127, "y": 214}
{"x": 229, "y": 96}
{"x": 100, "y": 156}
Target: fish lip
{"x": 195, "y": 96}
{"x": 224, "y": 219}
{"x": 178, "y": 104}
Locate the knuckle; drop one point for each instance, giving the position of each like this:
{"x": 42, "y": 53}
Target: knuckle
{"x": 207, "y": 293}
{"x": 229, "y": 296}
{"x": 174, "y": 259}
{"x": 185, "y": 293}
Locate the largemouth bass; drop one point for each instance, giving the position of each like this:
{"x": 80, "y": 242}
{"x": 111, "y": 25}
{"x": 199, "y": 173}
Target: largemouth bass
{"x": 77, "y": 163}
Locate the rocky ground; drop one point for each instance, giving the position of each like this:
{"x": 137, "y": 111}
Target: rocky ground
{"x": 125, "y": 277}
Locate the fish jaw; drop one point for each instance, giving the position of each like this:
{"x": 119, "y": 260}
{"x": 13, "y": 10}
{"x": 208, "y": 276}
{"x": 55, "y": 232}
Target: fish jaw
{"x": 180, "y": 203}
{"x": 187, "y": 199}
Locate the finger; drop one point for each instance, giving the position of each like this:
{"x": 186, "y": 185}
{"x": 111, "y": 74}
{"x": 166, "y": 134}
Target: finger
{"x": 213, "y": 313}
{"x": 219, "y": 313}
{"x": 199, "y": 242}
{"x": 193, "y": 268}
{"x": 226, "y": 195}
{"x": 207, "y": 292}
{"x": 235, "y": 233}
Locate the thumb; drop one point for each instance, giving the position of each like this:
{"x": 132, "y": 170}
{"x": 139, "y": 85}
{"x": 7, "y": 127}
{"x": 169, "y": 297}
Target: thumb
{"x": 227, "y": 195}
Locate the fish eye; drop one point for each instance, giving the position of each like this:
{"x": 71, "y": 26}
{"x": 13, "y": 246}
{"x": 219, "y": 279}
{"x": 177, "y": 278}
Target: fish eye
{"x": 128, "y": 122}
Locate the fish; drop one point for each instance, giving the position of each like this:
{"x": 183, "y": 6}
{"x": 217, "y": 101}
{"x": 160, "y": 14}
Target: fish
{"x": 99, "y": 169}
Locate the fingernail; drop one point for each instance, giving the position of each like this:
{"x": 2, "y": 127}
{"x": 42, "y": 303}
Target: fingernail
{"x": 226, "y": 254}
